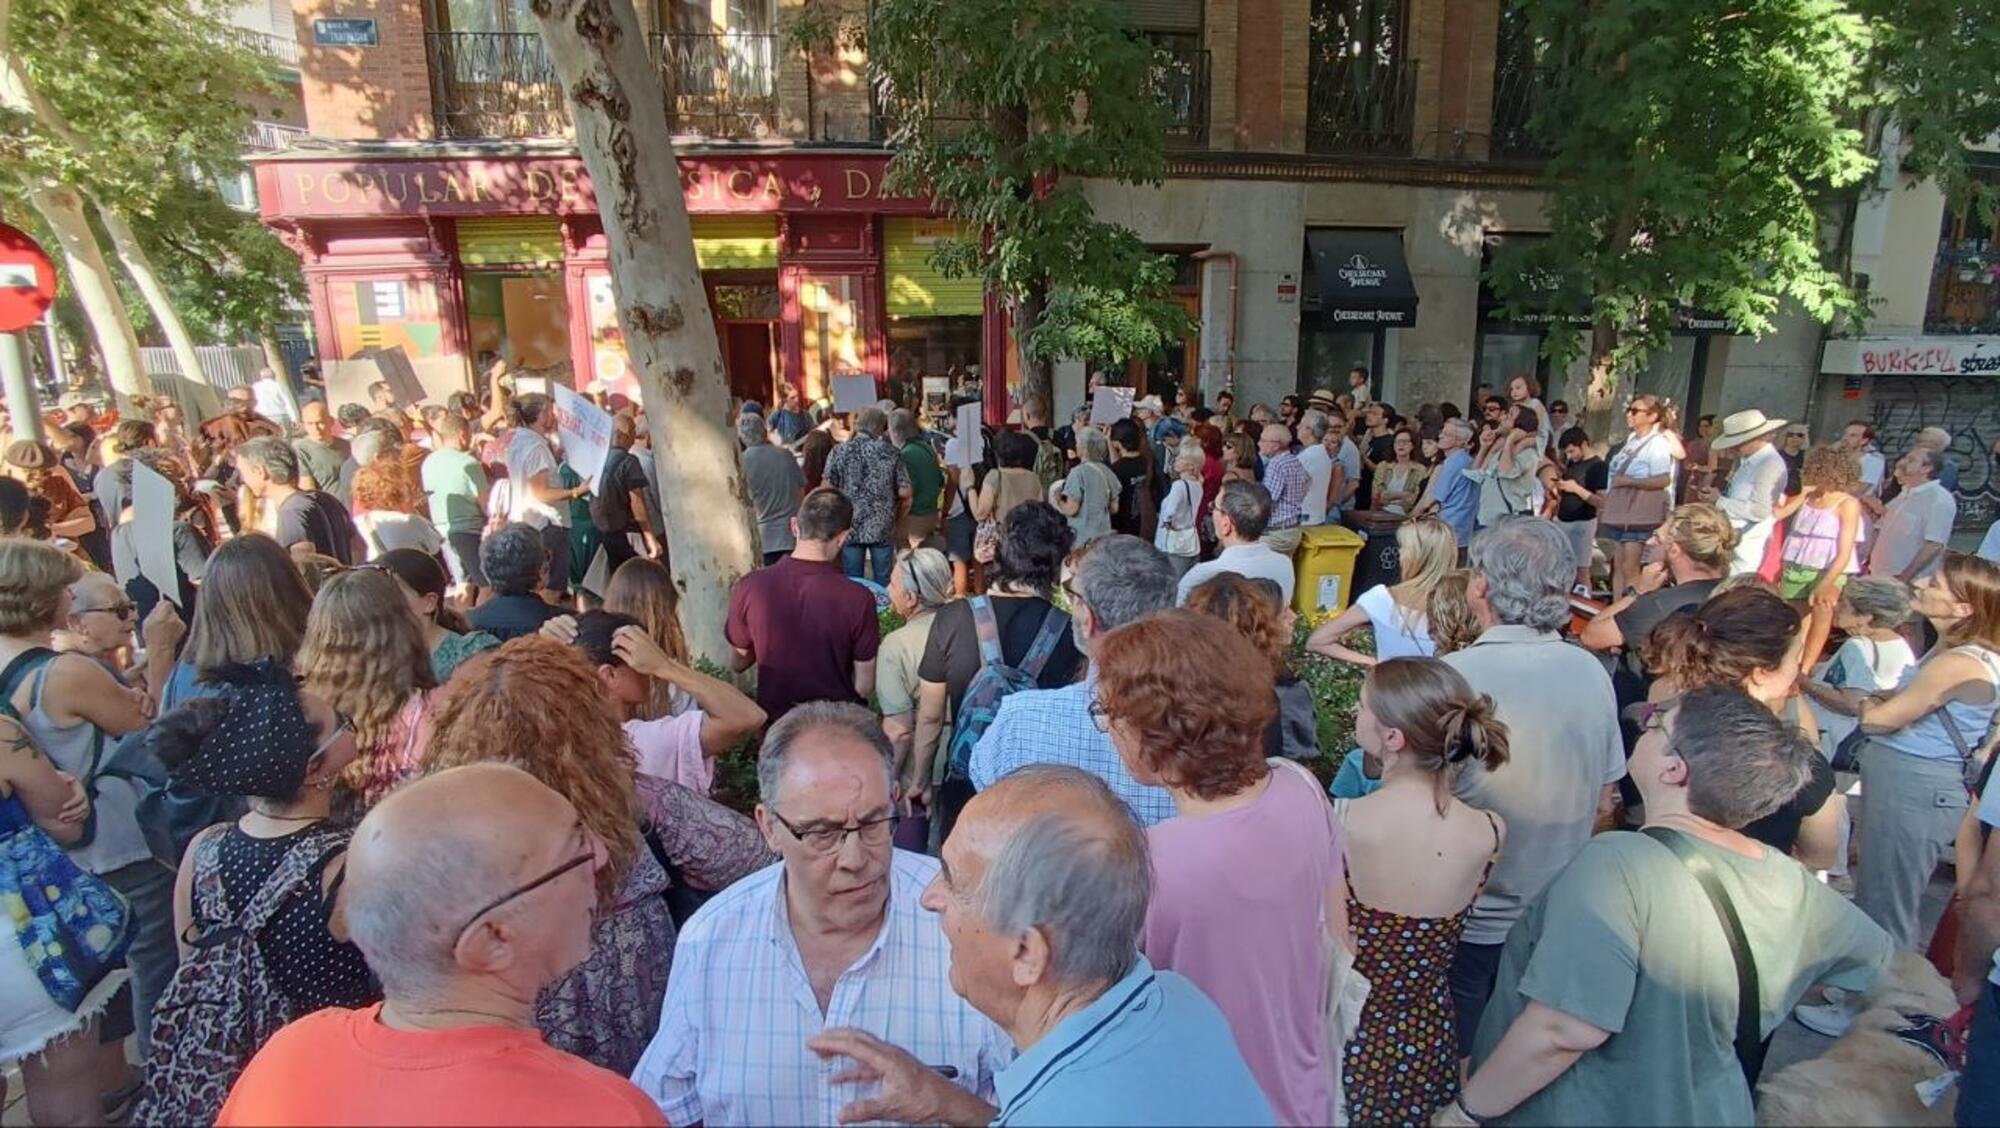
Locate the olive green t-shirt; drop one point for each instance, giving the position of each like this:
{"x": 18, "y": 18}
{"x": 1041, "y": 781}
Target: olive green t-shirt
{"x": 1626, "y": 940}
{"x": 926, "y": 478}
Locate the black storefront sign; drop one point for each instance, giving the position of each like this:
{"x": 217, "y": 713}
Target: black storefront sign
{"x": 1492, "y": 311}
{"x": 1360, "y": 278}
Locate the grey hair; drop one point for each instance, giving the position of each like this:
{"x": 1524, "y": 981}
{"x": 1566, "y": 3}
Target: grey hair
{"x": 514, "y": 559}
{"x": 852, "y": 719}
{"x": 751, "y": 431}
{"x": 1744, "y": 761}
{"x": 1937, "y": 438}
{"x": 871, "y": 421}
{"x": 1091, "y": 445}
{"x": 1316, "y": 424}
{"x": 1457, "y": 427}
{"x": 1885, "y": 600}
{"x": 273, "y": 457}
{"x": 1248, "y": 505}
{"x": 402, "y": 919}
{"x": 1528, "y": 569}
{"x": 927, "y": 574}
{"x": 1122, "y": 579}
{"x": 1087, "y": 889}
{"x": 1190, "y": 454}
{"x": 903, "y": 427}
{"x": 372, "y": 444}
{"x": 1933, "y": 461}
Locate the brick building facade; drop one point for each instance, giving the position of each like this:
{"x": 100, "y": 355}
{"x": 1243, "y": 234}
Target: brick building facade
{"x": 1296, "y": 153}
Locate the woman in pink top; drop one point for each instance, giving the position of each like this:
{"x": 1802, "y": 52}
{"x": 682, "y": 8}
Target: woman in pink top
{"x": 1821, "y": 543}
{"x": 1246, "y": 876}
{"x": 680, "y": 748}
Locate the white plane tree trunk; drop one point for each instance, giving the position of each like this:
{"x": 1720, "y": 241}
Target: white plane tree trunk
{"x": 139, "y": 265}
{"x": 613, "y": 90}
{"x": 62, "y": 208}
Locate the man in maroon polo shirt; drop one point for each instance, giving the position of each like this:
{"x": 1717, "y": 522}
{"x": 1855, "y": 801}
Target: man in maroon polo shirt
{"x": 810, "y": 631}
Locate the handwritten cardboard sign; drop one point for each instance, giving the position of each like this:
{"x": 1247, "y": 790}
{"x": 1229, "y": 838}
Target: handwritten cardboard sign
{"x": 968, "y": 445}
{"x": 853, "y": 391}
{"x": 1110, "y": 404}
{"x": 586, "y": 433}
{"x": 153, "y": 530}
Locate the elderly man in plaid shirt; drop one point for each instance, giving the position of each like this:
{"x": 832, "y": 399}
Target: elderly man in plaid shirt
{"x": 1286, "y": 479}
{"x": 832, "y": 936}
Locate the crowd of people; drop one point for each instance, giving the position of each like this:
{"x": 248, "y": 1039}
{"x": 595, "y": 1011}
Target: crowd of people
{"x": 381, "y": 814}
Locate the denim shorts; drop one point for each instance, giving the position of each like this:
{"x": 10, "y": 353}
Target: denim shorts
{"x": 1627, "y": 534}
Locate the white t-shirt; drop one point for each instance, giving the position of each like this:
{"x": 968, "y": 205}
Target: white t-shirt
{"x": 385, "y": 530}
{"x": 1866, "y": 665}
{"x": 1319, "y": 471}
{"x": 1350, "y": 461}
{"x": 1989, "y": 545}
{"x": 1177, "y": 509}
{"x": 1873, "y": 467}
{"x": 1650, "y": 457}
{"x": 528, "y": 454}
{"x": 1253, "y": 560}
{"x": 1398, "y": 633}
{"x": 1916, "y": 516}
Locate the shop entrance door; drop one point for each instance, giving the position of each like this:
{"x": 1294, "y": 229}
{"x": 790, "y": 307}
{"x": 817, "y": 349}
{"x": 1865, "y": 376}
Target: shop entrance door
{"x": 1169, "y": 369}
{"x": 749, "y": 355}
{"x": 745, "y": 304}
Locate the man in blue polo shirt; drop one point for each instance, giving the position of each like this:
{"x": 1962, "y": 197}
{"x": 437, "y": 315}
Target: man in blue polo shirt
{"x": 1104, "y": 1038}
{"x": 1450, "y": 494}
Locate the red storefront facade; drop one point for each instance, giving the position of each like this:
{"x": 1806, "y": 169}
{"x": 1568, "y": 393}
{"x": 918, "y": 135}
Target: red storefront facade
{"x": 457, "y": 252}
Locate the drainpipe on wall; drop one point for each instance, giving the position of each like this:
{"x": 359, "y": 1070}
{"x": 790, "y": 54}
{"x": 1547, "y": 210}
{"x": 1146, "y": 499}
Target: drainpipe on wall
{"x": 1235, "y": 276}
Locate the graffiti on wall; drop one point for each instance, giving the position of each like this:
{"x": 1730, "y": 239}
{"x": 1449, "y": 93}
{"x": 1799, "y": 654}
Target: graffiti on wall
{"x": 1970, "y": 410}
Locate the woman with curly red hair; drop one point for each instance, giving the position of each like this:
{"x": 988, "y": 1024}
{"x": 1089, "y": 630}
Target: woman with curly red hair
{"x": 1247, "y": 872}
{"x": 540, "y": 706}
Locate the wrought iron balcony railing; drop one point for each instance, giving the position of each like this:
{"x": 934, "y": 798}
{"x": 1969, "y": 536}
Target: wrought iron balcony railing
{"x": 1180, "y": 82}
{"x": 1519, "y": 88}
{"x": 501, "y": 84}
{"x": 1363, "y": 106}
{"x": 721, "y": 84}
{"x": 494, "y": 84}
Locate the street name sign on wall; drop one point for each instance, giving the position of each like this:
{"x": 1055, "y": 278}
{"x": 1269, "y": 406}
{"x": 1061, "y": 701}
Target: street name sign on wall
{"x": 345, "y": 33}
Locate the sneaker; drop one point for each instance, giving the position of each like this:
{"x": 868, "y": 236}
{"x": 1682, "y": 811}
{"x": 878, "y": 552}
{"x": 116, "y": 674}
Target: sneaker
{"x": 1581, "y": 590}
{"x": 1829, "y": 1019}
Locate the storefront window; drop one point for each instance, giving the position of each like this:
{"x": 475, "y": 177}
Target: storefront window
{"x": 1326, "y": 355}
{"x": 521, "y": 317}
{"x": 929, "y": 346}
{"x": 830, "y": 324}
{"x": 386, "y": 313}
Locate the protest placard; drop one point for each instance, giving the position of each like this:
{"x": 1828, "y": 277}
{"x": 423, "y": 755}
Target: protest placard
{"x": 853, "y": 391}
{"x": 153, "y": 530}
{"x": 968, "y": 446}
{"x": 586, "y": 433}
{"x": 598, "y": 576}
{"x": 396, "y": 368}
{"x": 1109, "y": 404}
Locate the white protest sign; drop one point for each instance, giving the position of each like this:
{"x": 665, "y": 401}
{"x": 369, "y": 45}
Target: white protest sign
{"x": 853, "y": 391}
{"x": 598, "y": 576}
{"x": 1109, "y": 404}
{"x": 969, "y": 445}
{"x": 586, "y": 433}
{"x": 153, "y": 530}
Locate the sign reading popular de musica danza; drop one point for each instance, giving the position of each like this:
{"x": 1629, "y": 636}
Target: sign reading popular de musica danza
{"x": 542, "y": 186}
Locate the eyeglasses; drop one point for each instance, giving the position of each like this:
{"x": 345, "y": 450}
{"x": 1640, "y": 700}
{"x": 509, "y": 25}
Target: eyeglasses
{"x": 828, "y": 839}
{"x": 124, "y": 610}
{"x": 1100, "y": 716}
{"x": 589, "y": 855}
{"x": 341, "y": 723}
{"x": 1653, "y": 714}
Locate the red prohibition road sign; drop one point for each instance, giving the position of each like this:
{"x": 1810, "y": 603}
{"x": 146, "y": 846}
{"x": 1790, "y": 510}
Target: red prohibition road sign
{"x": 27, "y": 280}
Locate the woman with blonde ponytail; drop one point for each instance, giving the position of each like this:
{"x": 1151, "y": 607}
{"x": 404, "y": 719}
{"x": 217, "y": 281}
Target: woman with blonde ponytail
{"x": 1416, "y": 860}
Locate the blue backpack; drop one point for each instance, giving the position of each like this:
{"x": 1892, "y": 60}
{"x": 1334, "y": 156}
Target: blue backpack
{"x": 996, "y": 679}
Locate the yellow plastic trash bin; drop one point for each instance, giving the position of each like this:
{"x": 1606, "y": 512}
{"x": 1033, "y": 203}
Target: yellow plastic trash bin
{"x": 1326, "y": 559}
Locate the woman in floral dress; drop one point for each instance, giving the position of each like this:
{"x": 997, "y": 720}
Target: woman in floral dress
{"x": 1416, "y": 860}
{"x": 539, "y": 705}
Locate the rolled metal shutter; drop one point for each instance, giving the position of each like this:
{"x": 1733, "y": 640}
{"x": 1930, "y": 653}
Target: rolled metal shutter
{"x": 1968, "y": 407}
{"x": 915, "y": 287}
{"x": 523, "y": 241}
{"x": 736, "y": 242}
{"x": 1165, "y": 15}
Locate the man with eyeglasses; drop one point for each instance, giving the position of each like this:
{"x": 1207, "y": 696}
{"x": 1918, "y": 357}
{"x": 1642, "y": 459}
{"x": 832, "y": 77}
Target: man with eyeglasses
{"x": 468, "y": 892}
{"x": 832, "y": 936}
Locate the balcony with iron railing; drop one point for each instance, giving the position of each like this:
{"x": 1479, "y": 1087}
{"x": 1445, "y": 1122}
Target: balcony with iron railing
{"x": 1965, "y": 290}
{"x": 488, "y": 84}
{"x": 722, "y": 84}
{"x": 1519, "y": 89}
{"x": 269, "y": 136}
{"x": 1361, "y": 106}
{"x": 1180, "y": 82}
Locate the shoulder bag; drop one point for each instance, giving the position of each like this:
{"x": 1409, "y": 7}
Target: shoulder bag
{"x": 1182, "y": 540}
{"x": 1750, "y": 1045}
